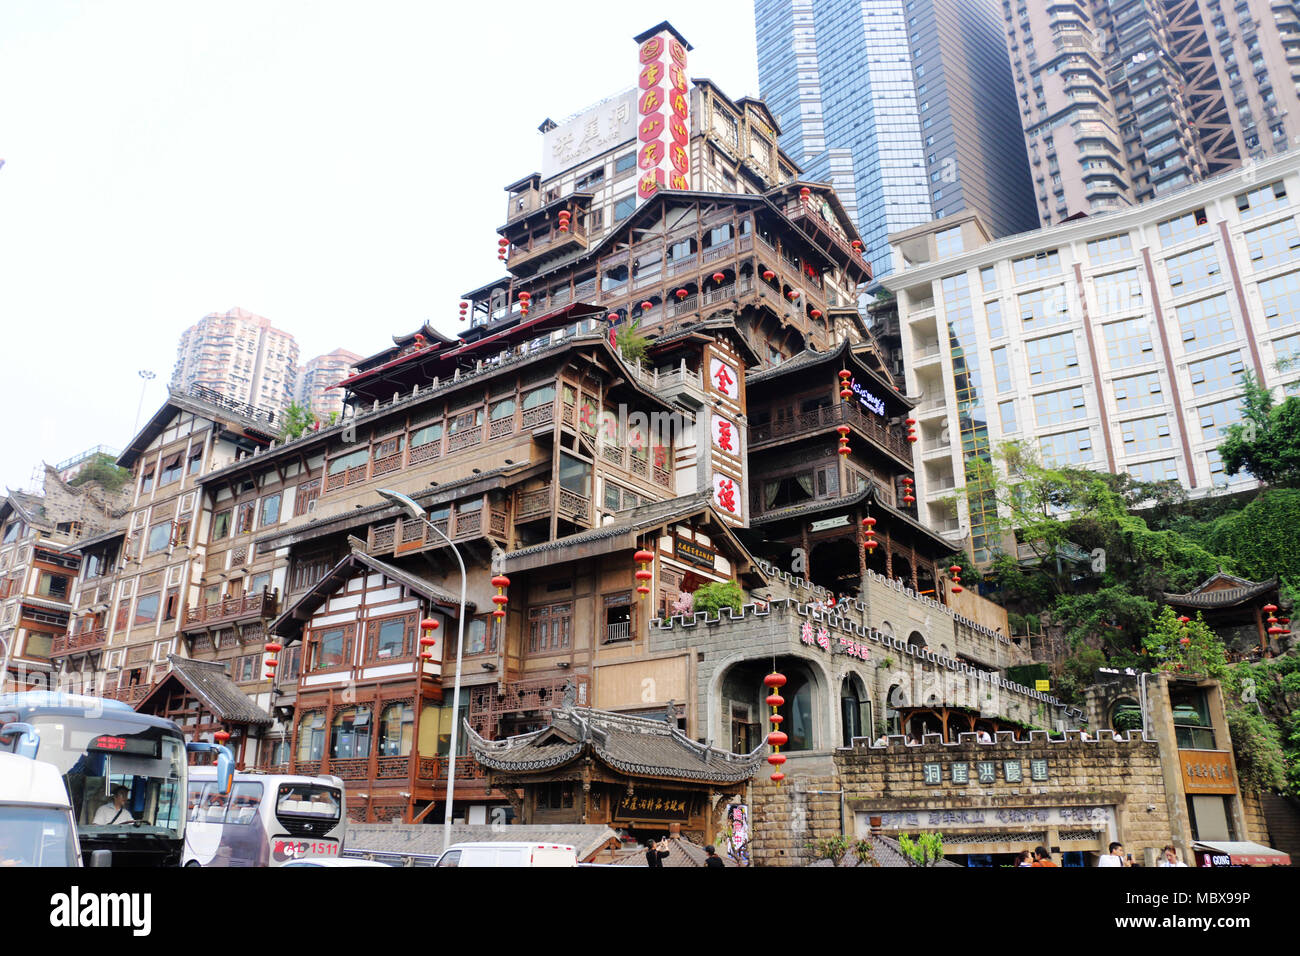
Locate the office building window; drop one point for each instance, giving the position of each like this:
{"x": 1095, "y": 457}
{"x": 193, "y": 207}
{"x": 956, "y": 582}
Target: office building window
{"x": 1216, "y": 418}
{"x": 1138, "y": 391}
{"x": 1195, "y": 270}
{"x": 1273, "y": 244}
{"x": 1206, "y": 323}
{"x": 1142, "y": 435}
{"x": 1166, "y": 469}
{"x": 1067, "y": 448}
{"x": 1280, "y": 298}
{"x": 1263, "y": 200}
{"x": 1057, "y": 408}
{"x": 993, "y": 311}
{"x": 1181, "y": 228}
{"x": 1216, "y": 374}
{"x": 1111, "y": 249}
{"x": 1128, "y": 343}
{"x": 1052, "y": 359}
{"x": 1001, "y": 370}
{"x": 1117, "y": 293}
{"x": 1043, "y": 307}
{"x": 1007, "y": 413}
{"x": 1036, "y": 266}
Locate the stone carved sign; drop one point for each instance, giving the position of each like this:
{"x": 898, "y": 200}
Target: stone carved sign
{"x": 1099, "y": 818}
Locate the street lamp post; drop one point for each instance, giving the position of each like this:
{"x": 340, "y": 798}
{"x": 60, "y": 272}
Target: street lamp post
{"x": 416, "y": 511}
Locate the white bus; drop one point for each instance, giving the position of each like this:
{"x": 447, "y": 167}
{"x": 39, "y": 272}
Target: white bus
{"x": 36, "y": 826}
{"x": 266, "y": 819}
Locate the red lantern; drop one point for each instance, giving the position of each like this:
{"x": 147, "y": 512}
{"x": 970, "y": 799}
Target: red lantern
{"x": 908, "y": 499}
{"x": 793, "y": 294}
{"x": 816, "y": 313}
{"x": 429, "y": 624}
{"x": 912, "y": 438}
{"x": 613, "y": 316}
{"x": 869, "y": 534}
{"x": 273, "y": 663}
{"x": 804, "y": 193}
{"x": 1270, "y": 608}
{"x": 1184, "y": 620}
{"x": 719, "y": 276}
{"x": 500, "y": 582}
{"x": 769, "y": 275}
{"x": 525, "y": 296}
{"x": 1184, "y": 641}
{"x": 857, "y": 245}
{"x": 647, "y": 306}
{"x": 274, "y": 648}
{"x": 428, "y": 641}
{"x": 682, "y": 293}
{"x": 221, "y": 736}
{"x": 774, "y": 681}
{"x": 643, "y": 574}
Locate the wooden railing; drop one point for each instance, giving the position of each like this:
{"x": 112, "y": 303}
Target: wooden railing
{"x": 85, "y": 641}
{"x": 826, "y": 418}
{"x": 435, "y": 768}
{"x": 259, "y": 604}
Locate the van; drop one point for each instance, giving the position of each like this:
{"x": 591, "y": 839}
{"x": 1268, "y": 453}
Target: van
{"x": 36, "y": 825}
{"x": 509, "y": 854}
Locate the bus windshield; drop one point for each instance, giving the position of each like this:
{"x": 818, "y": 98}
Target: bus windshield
{"x": 123, "y": 778}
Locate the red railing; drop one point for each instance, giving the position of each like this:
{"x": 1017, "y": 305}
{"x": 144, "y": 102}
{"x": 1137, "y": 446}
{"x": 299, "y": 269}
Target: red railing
{"x": 260, "y": 604}
{"x": 85, "y": 641}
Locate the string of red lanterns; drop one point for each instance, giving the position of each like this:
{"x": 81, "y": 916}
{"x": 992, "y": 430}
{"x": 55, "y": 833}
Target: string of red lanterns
{"x": 427, "y": 640}
{"x": 908, "y": 497}
{"x": 1275, "y": 628}
{"x": 500, "y": 582}
{"x": 911, "y": 426}
{"x": 273, "y": 647}
{"x": 955, "y": 570}
{"x": 502, "y": 245}
{"x": 643, "y": 575}
{"x": 524, "y": 299}
{"x": 464, "y": 310}
{"x": 804, "y": 193}
{"x": 777, "y": 739}
{"x": 869, "y": 535}
{"x": 564, "y": 215}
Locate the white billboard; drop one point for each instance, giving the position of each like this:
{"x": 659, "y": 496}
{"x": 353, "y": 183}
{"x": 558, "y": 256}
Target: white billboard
{"x": 595, "y": 130}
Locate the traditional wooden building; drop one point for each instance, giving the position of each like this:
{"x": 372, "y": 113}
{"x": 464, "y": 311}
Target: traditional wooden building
{"x": 1233, "y": 608}
{"x": 636, "y": 774}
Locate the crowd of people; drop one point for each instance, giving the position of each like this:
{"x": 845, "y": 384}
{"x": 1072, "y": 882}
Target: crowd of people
{"x": 1115, "y": 856}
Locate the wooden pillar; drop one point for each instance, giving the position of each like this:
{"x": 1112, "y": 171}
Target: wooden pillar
{"x": 857, "y": 540}
{"x": 943, "y": 722}
{"x": 912, "y": 552}
{"x": 889, "y": 556}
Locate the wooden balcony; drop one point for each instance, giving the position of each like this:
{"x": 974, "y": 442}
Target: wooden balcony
{"x": 546, "y": 246}
{"x": 540, "y": 502}
{"x": 78, "y": 643}
{"x": 433, "y": 769}
{"x": 811, "y": 219}
{"x": 128, "y": 695}
{"x": 405, "y": 535}
{"x": 823, "y": 421}
{"x": 249, "y": 607}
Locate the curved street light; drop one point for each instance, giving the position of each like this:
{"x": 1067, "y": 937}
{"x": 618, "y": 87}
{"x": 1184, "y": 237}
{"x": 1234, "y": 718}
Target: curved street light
{"x": 409, "y": 505}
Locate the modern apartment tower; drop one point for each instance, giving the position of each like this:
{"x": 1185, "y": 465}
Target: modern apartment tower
{"x": 1128, "y": 100}
{"x": 317, "y": 378}
{"x": 906, "y": 106}
{"x": 240, "y": 356}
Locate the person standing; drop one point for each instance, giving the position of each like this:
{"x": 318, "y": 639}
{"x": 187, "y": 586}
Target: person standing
{"x": 712, "y": 859}
{"x": 1169, "y": 857}
{"x": 1042, "y": 857}
{"x": 1113, "y": 858}
{"x": 656, "y": 853}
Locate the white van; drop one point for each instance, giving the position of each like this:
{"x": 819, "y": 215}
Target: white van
{"x": 36, "y": 826}
{"x": 509, "y": 854}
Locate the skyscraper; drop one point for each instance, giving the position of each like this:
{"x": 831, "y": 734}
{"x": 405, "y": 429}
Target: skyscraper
{"x": 1123, "y": 101}
{"x": 241, "y": 356}
{"x": 317, "y": 377}
{"x": 906, "y": 106}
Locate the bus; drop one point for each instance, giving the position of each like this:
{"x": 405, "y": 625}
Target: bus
{"x": 266, "y": 819}
{"x": 125, "y": 772}
{"x": 36, "y": 827}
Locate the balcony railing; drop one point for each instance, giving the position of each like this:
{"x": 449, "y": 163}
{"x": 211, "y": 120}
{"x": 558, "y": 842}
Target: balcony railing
{"x": 257, "y": 605}
{"x": 409, "y": 535}
{"x": 85, "y": 641}
{"x": 824, "y": 419}
{"x": 435, "y": 768}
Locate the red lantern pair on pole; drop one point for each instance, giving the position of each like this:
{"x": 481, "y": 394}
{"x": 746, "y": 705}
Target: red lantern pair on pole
{"x": 777, "y": 739}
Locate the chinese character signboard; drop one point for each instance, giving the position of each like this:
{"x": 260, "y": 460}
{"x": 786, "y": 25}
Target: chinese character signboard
{"x": 693, "y": 553}
{"x": 656, "y": 805}
{"x": 725, "y": 436}
{"x": 726, "y": 447}
{"x": 1207, "y": 771}
{"x": 663, "y": 115}
{"x": 726, "y": 496}
{"x": 595, "y": 130}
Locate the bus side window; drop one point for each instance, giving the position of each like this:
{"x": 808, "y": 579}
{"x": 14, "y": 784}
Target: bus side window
{"x": 245, "y": 798}
{"x": 214, "y": 804}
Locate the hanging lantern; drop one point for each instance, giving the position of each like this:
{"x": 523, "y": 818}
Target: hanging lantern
{"x": 643, "y": 575}
{"x": 846, "y": 390}
{"x": 613, "y": 317}
{"x": 1184, "y": 620}
{"x": 563, "y": 215}
{"x": 274, "y": 647}
{"x": 909, "y": 498}
{"x": 955, "y": 570}
{"x": 869, "y": 535}
{"x": 769, "y": 275}
{"x": 804, "y": 193}
{"x": 911, "y": 429}
{"x": 681, "y": 293}
{"x": 774, "y": 682}
{"x": 502, "y": 245}
{"x": 844, "y": 438}
{"x": 857, "y": 246}
{"x": 500, "y": 582}
{"x": 647, "y": 306}
{"x": 816, "y": 313}
{"x": 221, "y": 737}
{"x": 793, "y": 294}
{"x": 273, "y": 663}
{"x": 719, "y": 276}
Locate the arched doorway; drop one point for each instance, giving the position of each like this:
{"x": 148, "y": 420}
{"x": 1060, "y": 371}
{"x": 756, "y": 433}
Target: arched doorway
{"x": 745, "y": 714}
{"x": 916, "y": 639}
{"x": 855, "y": 710}
{"x": 834, "y": 565}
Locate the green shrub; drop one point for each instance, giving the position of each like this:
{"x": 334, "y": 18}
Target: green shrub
{"x": 712, "y": 597}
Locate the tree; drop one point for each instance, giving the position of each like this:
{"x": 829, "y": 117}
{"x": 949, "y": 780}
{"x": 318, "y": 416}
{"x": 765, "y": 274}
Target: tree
{"x": 103, "y": 469}
{"x": 1267, "y": 443}
{"x": 631, "y": 342}
{"x": 1185, "y": 648}
{"x": 926, "y": 849}
{"x": 712, "y": 597}
{"x": 297, "y": 420}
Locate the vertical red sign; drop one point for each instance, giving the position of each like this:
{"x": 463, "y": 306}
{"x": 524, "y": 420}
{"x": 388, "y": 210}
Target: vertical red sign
{"x": 663, "y": 106}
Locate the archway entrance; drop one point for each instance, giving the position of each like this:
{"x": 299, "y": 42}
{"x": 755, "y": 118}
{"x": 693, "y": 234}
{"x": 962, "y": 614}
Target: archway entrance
{"x": 745, "y": 714}
{"x": 855, "y": 710}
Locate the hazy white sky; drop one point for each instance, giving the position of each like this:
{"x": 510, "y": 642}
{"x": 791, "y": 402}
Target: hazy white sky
{"x": 336, "y": 167}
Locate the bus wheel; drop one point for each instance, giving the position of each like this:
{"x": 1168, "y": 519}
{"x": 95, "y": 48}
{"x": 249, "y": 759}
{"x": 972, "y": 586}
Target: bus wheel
{"x": 193, "y": 863}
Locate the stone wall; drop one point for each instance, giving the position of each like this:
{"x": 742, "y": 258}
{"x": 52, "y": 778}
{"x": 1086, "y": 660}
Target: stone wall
{"x": 1093, "y": 792}
{"x": 1252, "y": 809}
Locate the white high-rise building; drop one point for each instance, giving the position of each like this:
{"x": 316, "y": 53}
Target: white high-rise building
{"x": 317, "y": 377}
{"x": 240, "y": 356}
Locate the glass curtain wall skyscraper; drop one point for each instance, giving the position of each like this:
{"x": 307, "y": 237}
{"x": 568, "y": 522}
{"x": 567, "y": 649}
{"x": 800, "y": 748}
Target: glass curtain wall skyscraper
{"x": 906, "y": 106}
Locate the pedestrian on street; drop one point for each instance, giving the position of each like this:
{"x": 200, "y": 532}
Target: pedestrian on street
{"x": 1042, "y": 857}
{"x": 655, "y": 853}
{"x": 713, "y": 859}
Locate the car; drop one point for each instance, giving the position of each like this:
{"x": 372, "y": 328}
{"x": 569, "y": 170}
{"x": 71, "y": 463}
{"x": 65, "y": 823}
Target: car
{"x": 509, "y": 854}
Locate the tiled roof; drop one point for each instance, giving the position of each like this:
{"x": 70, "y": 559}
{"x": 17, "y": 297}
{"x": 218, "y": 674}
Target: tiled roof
{"x": 422, "y": 840}
{"x": 810, "y": 358}
{"x": 1241, "y": 591}
{"x": 845, "y": 501}
{"x": 887, "y": 853}
{"x": 636, "y": 746}
{"x": 681, "y": 853}
{"x": 209, "y": 681}
{"x": 646, "y": 516}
